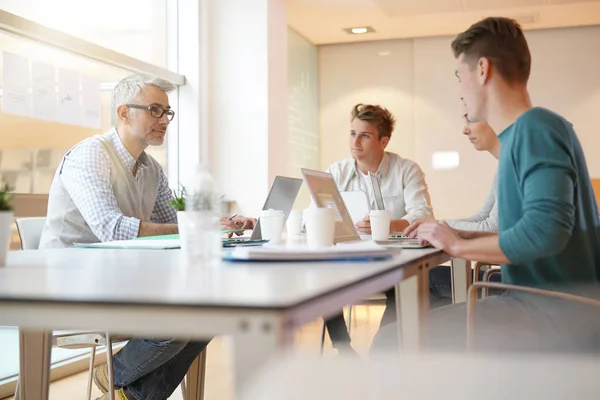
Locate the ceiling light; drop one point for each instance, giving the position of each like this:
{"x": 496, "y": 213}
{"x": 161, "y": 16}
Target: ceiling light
{"x": 359, "y": 30}
{"x": 384, "y": 53}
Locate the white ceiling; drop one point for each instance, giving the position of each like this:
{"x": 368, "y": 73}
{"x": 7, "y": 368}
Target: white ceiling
{"x": 323, "y": 21}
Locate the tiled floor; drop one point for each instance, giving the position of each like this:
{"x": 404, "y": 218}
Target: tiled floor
{"x": 219, "y": 378}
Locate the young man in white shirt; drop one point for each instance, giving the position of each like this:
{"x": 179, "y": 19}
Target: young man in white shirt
{"x": 402, "y": 182}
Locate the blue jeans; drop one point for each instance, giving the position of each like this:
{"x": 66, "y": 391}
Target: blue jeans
{"x": 151, "y": 369}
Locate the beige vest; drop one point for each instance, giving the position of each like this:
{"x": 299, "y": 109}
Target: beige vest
{"x": 65, "y": 225}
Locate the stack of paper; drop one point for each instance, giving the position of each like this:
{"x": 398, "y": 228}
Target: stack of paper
{"x": 356, "y": 251}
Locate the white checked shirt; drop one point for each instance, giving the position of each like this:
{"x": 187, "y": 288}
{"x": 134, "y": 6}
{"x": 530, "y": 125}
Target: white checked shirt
{"x": 86, "y": 176}
{"x": 402, "y": 183}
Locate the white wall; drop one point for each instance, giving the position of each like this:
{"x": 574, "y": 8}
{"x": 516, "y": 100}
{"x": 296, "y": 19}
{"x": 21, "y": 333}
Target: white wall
{"x": 245, "y": 89}
{"x": 354, "y": 73}
{"x": 416, "y": 82}
{"x": 566, "y": 79}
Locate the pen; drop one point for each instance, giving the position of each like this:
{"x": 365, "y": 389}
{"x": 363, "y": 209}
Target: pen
{"x": 232, "y": 216}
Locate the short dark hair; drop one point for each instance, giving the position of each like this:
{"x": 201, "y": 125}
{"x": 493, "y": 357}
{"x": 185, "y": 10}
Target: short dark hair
{"x": 377, "y": 116}
{"x": 501, "y": 40}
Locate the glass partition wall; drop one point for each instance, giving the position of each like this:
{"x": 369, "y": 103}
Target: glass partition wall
{"x": 57, "y": 70}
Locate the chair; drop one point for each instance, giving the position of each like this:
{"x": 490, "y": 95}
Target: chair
{"x": 490, "y": 271}
{"x": 473, "y": 294}
{"x": 480, "y": 265}
{"x": 487, "y": 275}
{"x": 30, "y": 231}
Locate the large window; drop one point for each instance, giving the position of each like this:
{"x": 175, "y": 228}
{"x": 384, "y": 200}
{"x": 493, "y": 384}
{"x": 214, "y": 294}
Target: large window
{"x": 66, "y": 99}
{"x": 55, "y": 93}
{"x": 137, "y": 28}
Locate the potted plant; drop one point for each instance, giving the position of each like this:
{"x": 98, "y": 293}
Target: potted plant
{"x": 178, "y": 203}
{"x": 6, "y": 217}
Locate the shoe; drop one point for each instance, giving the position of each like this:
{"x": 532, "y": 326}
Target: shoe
{"x": 119, "y": 395}
{"x": 100, "y": 377}
{"x": 346, "y": 350}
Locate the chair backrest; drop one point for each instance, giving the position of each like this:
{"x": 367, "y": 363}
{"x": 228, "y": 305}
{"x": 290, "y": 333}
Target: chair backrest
{"x": 30, "y": 231}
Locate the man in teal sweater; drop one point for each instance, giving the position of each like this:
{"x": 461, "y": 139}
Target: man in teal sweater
{"x": 548, "y": 217}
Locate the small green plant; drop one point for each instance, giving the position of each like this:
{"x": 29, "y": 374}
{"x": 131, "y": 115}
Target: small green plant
{"x": 205, "y": 201}
{"x": 178, "y": 201}
{"x": 6, "y": 198}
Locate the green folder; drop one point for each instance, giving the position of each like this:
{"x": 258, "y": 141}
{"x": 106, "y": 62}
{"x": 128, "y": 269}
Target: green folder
{"x": 160, "y": 237}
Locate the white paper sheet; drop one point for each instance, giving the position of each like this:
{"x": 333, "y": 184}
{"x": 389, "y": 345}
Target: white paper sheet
{"x": 68, "y": 97}
{"x": 43, "y": 80}
{"x": 91, "y": 102}
{"x": 15, "y": 84}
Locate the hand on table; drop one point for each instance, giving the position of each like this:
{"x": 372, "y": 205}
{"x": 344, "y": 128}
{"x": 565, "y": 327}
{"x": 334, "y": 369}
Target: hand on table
{"x": 436, "y": 233}
{"x": 239, "y": 223}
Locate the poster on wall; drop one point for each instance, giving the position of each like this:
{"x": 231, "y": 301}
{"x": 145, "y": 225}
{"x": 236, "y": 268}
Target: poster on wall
{"x": 43, "y": 82}
{"x": 91, "y": 102}
{"x": 68, "y": 97}
{"x": 15, "y": 84}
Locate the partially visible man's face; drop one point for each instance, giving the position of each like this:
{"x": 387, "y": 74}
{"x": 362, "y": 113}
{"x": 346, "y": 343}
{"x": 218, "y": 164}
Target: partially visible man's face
{"x": 145, "y": 127}
{"x": 481, "y": 135}
{"x": 364, "y": 141}
{"x": 470, "y": 88}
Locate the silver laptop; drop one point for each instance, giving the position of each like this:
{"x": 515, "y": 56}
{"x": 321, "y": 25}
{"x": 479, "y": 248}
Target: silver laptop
{"x": 325, "y": 194}
{"x": 282, "y": 196}
{"x": 395, "y": 237}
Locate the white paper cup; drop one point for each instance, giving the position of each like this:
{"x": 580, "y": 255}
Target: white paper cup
{"x": 271, "y": 225}
{"x": 320, "y": 227}
{"x": 294, "y": 223}
{"x": 380, "y": 224}
{"x": 182, "y": 227}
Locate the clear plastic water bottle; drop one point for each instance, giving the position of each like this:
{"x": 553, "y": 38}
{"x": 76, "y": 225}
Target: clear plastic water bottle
{"x": 202, "y": 206}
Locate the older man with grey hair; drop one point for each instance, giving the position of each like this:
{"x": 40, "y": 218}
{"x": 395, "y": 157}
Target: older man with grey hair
{"x": 107, "y": 188}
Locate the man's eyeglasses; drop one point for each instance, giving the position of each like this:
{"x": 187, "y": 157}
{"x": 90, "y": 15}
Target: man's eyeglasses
{"x": 465, "y": 118}
{"x": 155, "y": 111}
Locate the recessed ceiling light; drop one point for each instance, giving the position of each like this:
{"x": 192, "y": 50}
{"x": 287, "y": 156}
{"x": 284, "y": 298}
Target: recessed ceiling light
{"x": 359, "y": 30}
{"x": 384, "y": 53}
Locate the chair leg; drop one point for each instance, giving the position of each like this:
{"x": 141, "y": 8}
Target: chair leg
{"x": 323, "y": 337}
{"x": 91, "y": 373}
{"x": 183, "y": 389}
{"x": 17, "y": 393}
{"x": 349, "y": 320}
{"x": 109, "y": 365}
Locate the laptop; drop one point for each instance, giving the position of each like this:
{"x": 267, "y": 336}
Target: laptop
{"x": 325, "y": 194}
{"x": 395, "y": 237}
{"x": 281, "y": 197}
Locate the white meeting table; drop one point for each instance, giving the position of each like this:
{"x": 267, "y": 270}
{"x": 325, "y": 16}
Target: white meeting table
{"x": 157, "y": 293}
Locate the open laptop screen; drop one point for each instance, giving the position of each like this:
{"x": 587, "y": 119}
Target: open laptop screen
{"x": 324, "y": 193}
